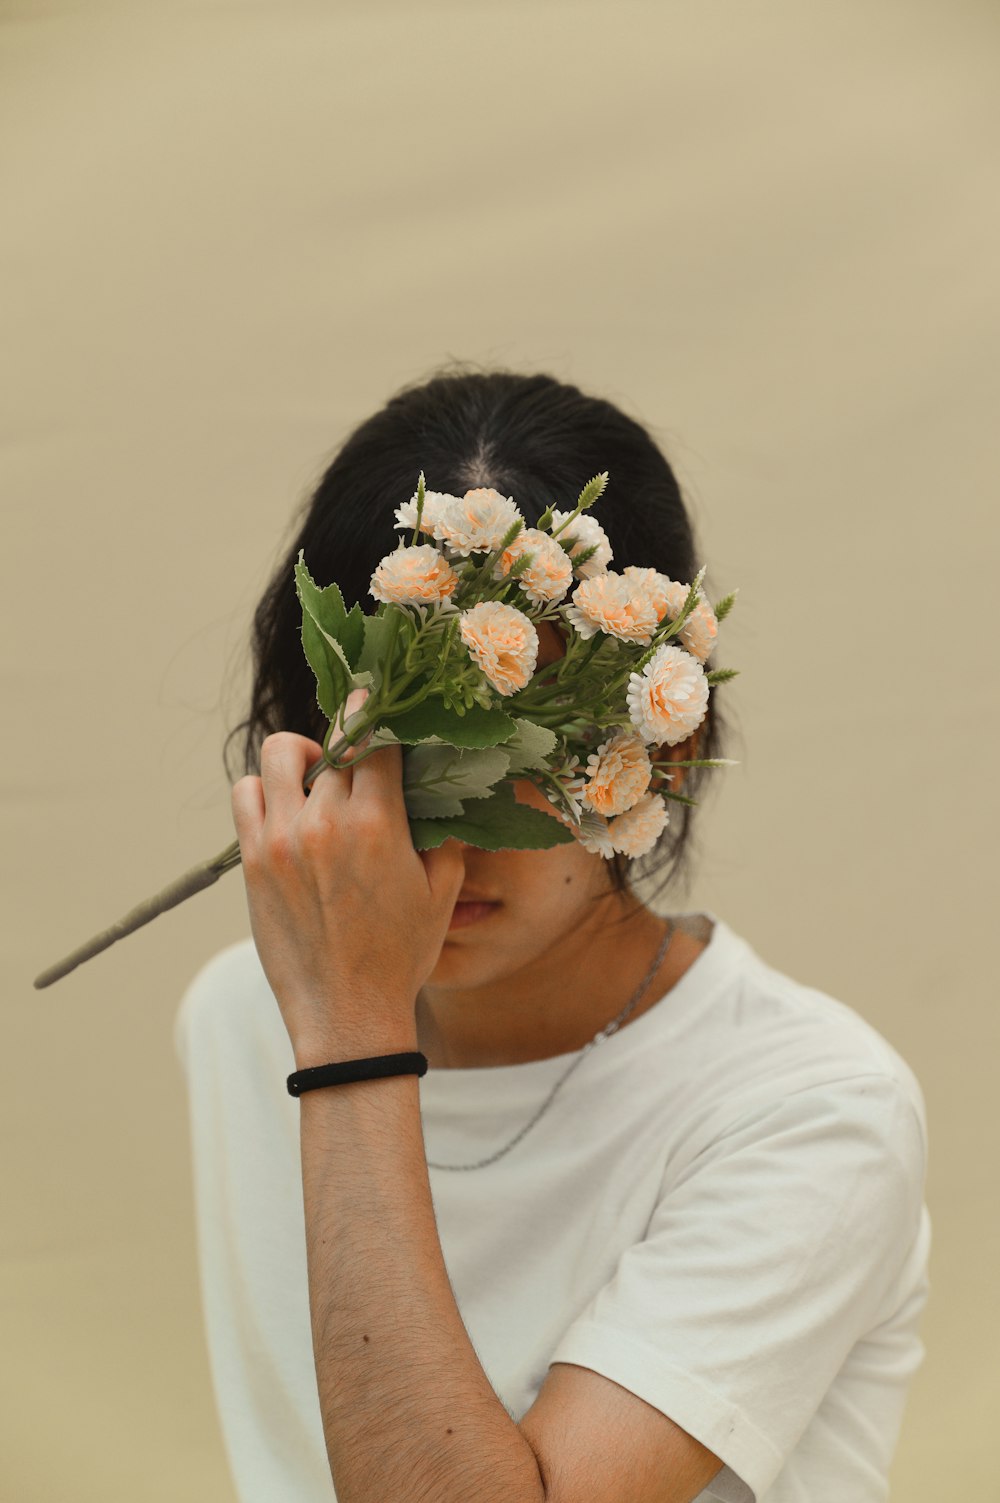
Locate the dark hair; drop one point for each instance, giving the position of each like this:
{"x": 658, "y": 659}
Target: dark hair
{"x": 528, "y": 436}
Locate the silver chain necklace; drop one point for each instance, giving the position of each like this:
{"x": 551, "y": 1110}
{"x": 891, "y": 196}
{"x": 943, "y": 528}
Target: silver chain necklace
{"x": 605, "y": 1032}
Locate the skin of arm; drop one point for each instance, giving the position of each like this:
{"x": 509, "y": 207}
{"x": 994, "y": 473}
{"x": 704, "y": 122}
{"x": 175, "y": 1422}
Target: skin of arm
{"x": 408, "y": 1412}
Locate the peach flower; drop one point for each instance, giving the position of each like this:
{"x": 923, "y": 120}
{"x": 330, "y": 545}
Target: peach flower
{"x": 635, "y": 832}
{"x": 619, "y": 773}
{"x": 550, "y": 573}
{"x": 656, "y": 585}
{"x": 611, "y": 603}
{"x": 477, "y": 521}
{"x": 587, "y": 531}
{"x": 435, "y": 503}
{"x": 700, "y": 630}
{"x": 669, "y": 698}
{"x": 414, "y": 576}
{"x": 503, "y": 642}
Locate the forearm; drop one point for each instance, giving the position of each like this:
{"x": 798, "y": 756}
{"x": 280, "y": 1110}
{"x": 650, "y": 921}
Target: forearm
{"x": 408, "y": 1413}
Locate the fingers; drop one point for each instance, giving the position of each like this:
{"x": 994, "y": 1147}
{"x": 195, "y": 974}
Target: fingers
{"x": 247, "y": 801}
{"x": 445, "y": 868}
{"x": 379, "y": 778}
{"x": 332, "y": 787}
{"x": 367, "y": 790}
{"x": 351, "y": 705}
{"x": 375, "y": 785}
{"x": 285, "y": 758}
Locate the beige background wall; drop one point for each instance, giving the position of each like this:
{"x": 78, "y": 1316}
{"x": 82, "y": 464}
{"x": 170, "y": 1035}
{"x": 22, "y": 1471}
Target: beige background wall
{"x": 233, "y": 229}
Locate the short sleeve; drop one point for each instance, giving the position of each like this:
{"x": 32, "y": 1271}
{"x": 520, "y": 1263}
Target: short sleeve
{"x": 768, "y": 1256}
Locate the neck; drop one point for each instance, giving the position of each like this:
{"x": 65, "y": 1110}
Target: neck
{"x": 556, "y": 1002}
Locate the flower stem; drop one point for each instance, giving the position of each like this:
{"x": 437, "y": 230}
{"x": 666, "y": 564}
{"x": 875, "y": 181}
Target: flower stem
{"x": 195, "y": 880}
{"x": 185, "y": 886}
{"x": 387, "y": 665}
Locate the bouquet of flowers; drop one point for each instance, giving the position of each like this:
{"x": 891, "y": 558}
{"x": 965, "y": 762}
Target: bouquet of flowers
{"x": 449, "y": 660}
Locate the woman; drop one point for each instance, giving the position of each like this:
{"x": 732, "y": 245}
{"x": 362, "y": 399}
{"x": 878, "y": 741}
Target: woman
{"x": 686, "y": 1263}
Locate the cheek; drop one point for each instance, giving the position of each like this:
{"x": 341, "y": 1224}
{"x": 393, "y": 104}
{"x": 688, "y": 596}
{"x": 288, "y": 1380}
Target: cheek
{"x": 562, "y": 872}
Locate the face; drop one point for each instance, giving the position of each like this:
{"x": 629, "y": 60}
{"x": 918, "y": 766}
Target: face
{"x": 540, "y": 897}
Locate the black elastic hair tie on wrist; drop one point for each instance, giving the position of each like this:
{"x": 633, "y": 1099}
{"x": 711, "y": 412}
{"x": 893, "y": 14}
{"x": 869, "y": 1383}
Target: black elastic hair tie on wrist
{"x": 356, "y": 1069}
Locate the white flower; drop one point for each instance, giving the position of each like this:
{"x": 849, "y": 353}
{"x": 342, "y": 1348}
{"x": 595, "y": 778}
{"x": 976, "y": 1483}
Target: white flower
{"x": 669, "y": 698}
{"x": 434, "y": 506}
{"x": 587, "y": 531}
{"x": 635, "y": 832}
{"x": 477, "y": 521}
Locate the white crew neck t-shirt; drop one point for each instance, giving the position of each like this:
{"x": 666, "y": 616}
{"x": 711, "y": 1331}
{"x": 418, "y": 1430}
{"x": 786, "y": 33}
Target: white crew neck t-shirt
{"x": 721, "y": 1210}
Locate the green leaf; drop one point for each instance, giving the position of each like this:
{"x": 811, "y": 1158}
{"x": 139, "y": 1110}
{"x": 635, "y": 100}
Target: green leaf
{"x": 326, "y": 607}
{"x": 437, "y": 778}
{"x": 352, "y": 636}
{"x": 584, "y": 554}
{"x": 512, "y": 532}
{"x": 497, "y": 823}
{"x": 530, "y": 747}
{"x": 725, "y": 605}
{"x": 721, "y": 675}
{"x": 421, "y": 497}
{"x": 331, "y": 639}
{"x": 593, "y": 491}
{"x": 476, "y": 727}
{"x": 377, "y": 632}
{"x": 520, "y": 565}
{"x": 704, "y": 762}
{"x": 334, "y": 680}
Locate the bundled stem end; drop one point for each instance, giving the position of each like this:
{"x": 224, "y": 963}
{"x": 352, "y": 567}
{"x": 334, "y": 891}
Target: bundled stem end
{"x": 199, "y": 877}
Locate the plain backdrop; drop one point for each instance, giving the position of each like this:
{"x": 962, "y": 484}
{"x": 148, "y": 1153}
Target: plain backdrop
{"x": 230, "y": 231}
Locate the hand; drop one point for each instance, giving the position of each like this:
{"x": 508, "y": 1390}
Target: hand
{"x": 347, "y": 917}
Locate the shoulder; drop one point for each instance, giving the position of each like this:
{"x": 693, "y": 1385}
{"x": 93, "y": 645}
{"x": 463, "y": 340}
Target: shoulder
{"x": 749, "y": 1064}
{"x": 788, "y": 1238}
{"x": 774, "y": 1037}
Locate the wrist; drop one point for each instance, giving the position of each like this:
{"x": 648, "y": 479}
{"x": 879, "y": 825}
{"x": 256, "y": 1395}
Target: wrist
{"x": 336, "y": 1046}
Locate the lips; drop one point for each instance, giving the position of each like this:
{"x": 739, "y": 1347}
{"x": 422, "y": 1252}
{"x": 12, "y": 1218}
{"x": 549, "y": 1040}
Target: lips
{"x": 468, "y": 912}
